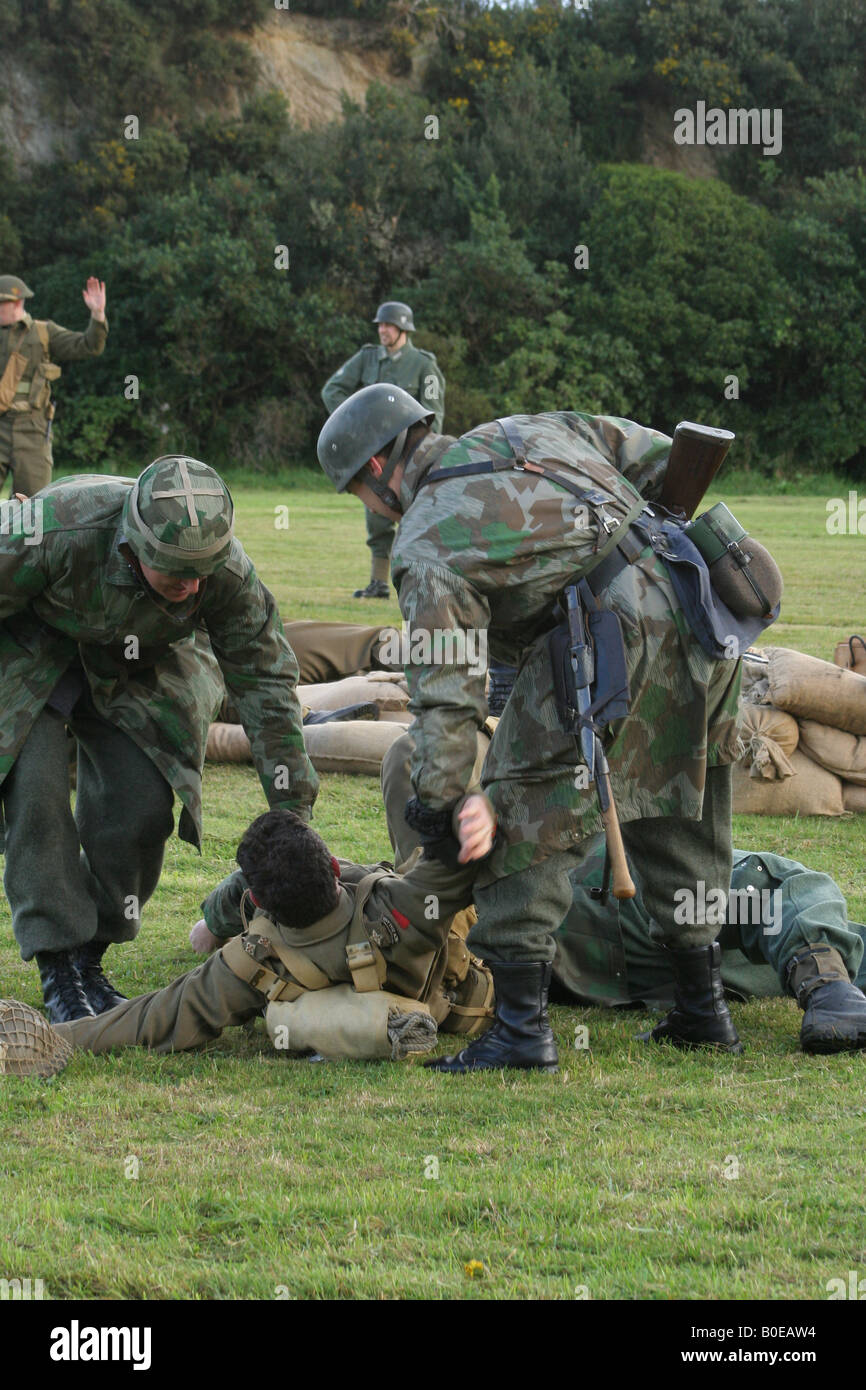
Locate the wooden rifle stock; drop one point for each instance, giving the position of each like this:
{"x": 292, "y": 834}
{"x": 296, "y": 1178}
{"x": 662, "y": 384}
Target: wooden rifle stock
{"x": 697, "y": 454}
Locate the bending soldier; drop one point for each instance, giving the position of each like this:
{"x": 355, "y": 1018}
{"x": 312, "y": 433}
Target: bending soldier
{"x": 493, "y": 526}
{"x": 121, "y": 622}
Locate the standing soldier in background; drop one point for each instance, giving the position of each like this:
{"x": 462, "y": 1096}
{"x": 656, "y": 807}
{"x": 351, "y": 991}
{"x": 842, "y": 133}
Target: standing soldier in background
{"x": 398, "y": 362}
{"x": 29, "y": 352}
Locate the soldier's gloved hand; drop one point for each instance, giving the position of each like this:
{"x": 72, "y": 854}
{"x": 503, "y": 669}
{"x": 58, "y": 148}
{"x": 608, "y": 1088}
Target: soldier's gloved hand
{"x": 435, "y": 831}
{"x": 477, "y": 828}
{"x": 202, "y": 939}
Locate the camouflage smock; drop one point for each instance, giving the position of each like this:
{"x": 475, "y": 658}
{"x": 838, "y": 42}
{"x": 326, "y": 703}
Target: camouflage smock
{"x": 153, "y": 667}
{"x": 489, "y": 553}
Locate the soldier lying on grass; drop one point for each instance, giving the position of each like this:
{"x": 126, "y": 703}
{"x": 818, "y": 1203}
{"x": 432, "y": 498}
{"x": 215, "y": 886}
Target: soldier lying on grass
{"x": 303, "y": 929}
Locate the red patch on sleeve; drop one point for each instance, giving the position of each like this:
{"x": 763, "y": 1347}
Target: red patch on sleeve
{"x": 402, "y": 922}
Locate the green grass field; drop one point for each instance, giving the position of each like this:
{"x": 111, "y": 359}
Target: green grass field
{"x": 634, "y": 1173}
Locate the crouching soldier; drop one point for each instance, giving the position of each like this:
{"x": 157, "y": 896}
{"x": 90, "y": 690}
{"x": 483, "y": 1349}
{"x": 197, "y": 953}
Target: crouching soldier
{"x": 348, "y": 959}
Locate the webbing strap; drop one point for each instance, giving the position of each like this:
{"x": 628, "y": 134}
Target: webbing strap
{"x": 244, "y": 965}
{"x": 365, "y": 961}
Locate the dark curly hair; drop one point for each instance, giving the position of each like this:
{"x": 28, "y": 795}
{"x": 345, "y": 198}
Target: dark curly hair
{"x": 288, "y": 868}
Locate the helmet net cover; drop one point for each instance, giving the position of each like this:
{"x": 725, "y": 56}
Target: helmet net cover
{"x": 29, "y": 1046}
{"x": 178, "y": 517}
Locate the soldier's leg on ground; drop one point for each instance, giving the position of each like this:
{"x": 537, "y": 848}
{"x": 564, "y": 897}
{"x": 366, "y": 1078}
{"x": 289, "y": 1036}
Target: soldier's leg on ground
{"x": 191, "y": 1010}
{"x": 330, "y": 651}
{"x": 124, "y": 815}
{"x": 31, "y": 458}
{"x": 684, "y": 870}
{"x": 53, "y": 912}
{"x": 803, "y": 932}
{"x": 380, "y": 538}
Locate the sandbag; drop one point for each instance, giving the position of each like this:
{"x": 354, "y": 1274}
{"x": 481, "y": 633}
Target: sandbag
{"x": 812, "y": 689}
{"x": 227, "y": 743}
{"x": 844, "y": 754}
{"x": 339, "y": 1023}
{"x": 851, "y": 654}
{"x": 769, "y": 737}
{"x": 357, "y": 746}
{"x": 387, "y": 689}
{"x": 810, "y": 791}
{"x": 854, "y": 796}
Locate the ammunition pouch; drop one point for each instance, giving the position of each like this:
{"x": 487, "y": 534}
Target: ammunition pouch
{"x": 340, "y": 1023}
{"x": 470, "y": 996}
{"x": 9, "y": 381}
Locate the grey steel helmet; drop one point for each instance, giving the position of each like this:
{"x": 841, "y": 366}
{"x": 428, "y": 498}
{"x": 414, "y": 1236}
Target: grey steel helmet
{"x": 398, "y": 314}
{"x": 362, "y": 425}
{"x": 13, "y": 288}
{"x": 178, "y": 517}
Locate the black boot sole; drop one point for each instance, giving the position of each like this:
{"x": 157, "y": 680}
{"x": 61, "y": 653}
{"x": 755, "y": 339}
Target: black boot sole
{"x": 823, "y": 1047}
{"x": 435, "y": 1065}
{"x": 686, "y": 1045}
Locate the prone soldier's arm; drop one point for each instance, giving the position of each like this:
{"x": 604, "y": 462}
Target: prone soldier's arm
{"x": 344, "y": 382}
{"x": 65, "y": 345}
{"x": 221, "y": 908}
{"x": 261, "y": 675}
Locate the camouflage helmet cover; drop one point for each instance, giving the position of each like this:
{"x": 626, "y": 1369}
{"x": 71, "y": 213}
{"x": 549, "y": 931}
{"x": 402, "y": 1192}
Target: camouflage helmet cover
{"x": 178, "y": 517}
{"x": 13, "y": 288}
{"x": 394, "y": 312}
{"x": 362, "y": 425}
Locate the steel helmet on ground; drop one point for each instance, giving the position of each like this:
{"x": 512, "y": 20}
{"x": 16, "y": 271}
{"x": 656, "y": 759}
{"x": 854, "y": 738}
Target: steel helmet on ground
{"x": 178, "y": 517}
{"x": 392, "y": 311}
{"x": 13, "y": 288}
{"x": 362, "y": 425}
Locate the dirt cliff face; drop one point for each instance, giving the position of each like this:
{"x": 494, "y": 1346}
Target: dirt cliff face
{"x": 312, "y": 61}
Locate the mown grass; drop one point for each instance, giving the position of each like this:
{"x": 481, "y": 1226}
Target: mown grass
{"x": 634, "y": 1173}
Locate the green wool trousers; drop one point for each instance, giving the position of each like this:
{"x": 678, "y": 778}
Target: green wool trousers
{"x": 676, "y": 862}
{"x": 75, "y": 878}
{"x": 191, "y": 1010}
{"x": 25, "y": 449}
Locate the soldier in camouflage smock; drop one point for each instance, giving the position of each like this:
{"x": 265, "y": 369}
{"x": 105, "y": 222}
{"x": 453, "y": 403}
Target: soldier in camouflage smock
{"x": 395, "y": 360}
{"x": 30, "y": 350}
{"x": 124, "y": 605}
{"x": 489, "y": 536}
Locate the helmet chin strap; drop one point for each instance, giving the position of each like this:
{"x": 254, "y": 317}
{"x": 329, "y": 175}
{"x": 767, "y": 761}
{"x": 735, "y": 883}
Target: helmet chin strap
{"x": 379, "y": 485}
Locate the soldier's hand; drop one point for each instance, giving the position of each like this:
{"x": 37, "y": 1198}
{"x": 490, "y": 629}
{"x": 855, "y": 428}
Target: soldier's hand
{"x": 202, "y": 939}
{"x": 477, "y": 824}
{"x": 93, "y": 295}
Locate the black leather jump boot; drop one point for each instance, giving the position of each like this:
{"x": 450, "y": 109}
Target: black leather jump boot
{"x": 62, "y": 989}
{"x": 700, "y": 1015}
{"x": 834, "y": 1009}
{"x": 520, "y": 1035}
{"x": 100, "y": 992}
